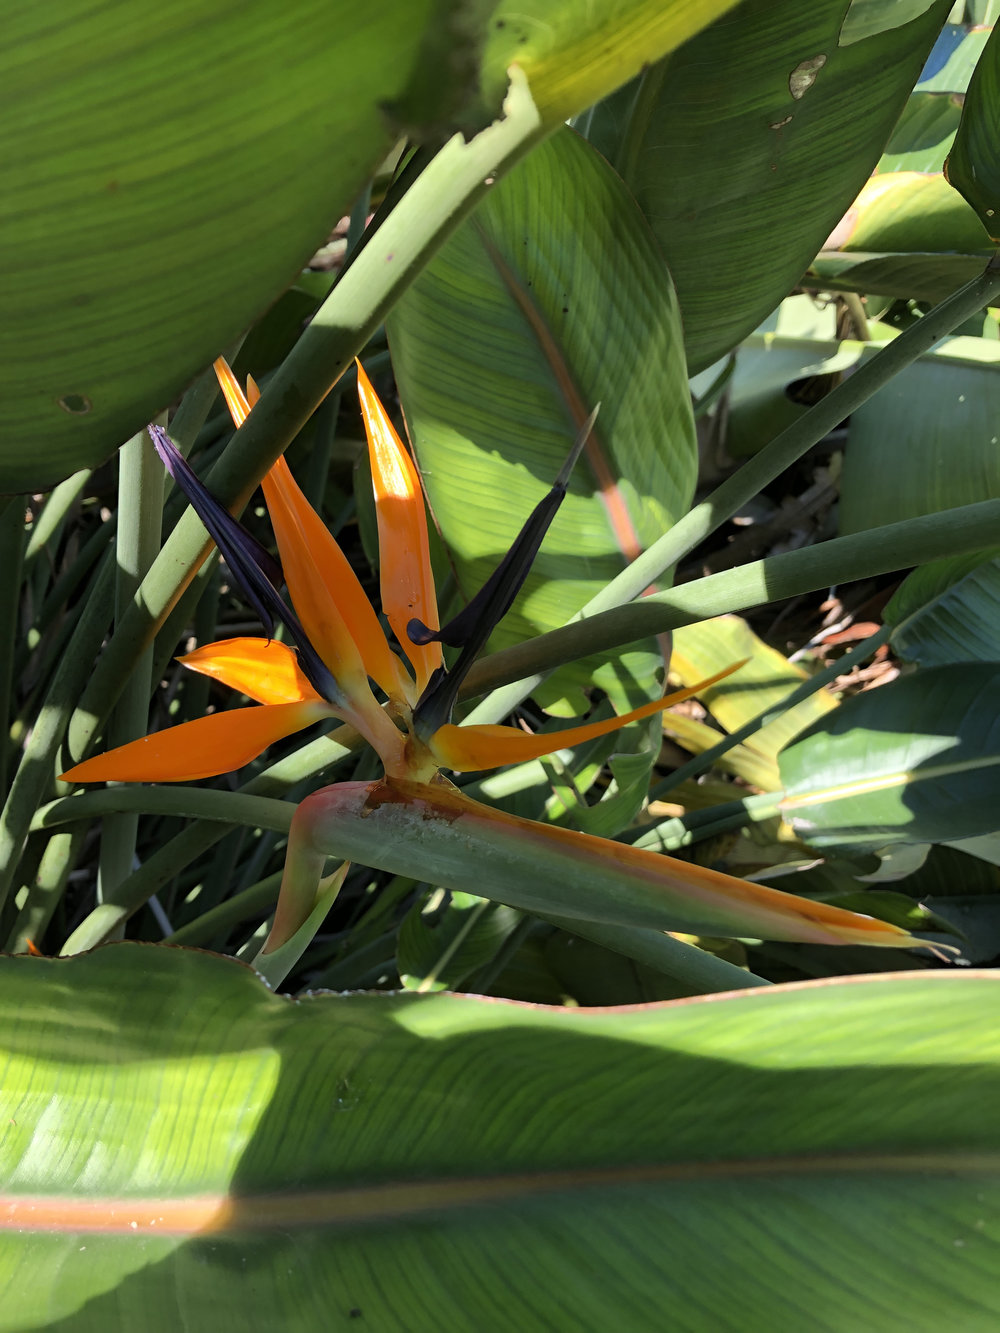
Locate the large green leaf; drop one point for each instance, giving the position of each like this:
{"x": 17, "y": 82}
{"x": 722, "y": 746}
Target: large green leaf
{"x": 949, "y": 611}
{"x": 928, "y": 440}
{"x": 973, "y": 165}
{"x": 161, "y": 186}
{"x": 183, "y": 1149}
{"x": 913, "y": 761}
{"x": 747, "y": 145}
{"x": 551, "y": 299}
{"x": 167, "y": 172}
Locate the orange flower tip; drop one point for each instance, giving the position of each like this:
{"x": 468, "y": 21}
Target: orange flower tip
{"x": 239, "y": 408}
{"x": 33, "y": 949}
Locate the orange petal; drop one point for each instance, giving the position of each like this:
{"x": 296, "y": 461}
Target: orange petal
{"x": 407, "y": 580}
{"x": 262, "y": 669}
{"x": 325, "y": 591}
{"x": 239, "y": 408}
{"x": 203, "y": 748}
{"x": 469, "y": 749}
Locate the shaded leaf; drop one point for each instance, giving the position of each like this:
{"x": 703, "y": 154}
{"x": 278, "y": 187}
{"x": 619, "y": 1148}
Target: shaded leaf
{"x": 923, "y": 135}
{"x": 748, "y": 144}
{"x": 973, "y": 165}
{"x": 948, "y": 611}
{"x": 436, "y": 1161}
{"x": 913, "y": 761}
{"x": 866, "y": 18}
{"x": 445, "y": 937}
{"x": 187, "y": 183}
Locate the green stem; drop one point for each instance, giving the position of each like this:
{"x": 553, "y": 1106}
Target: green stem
{"x": 873, "y": 374}
{"x": 440, "y": 199}
{"x": 727, "y": 499}
{"x": 841, "y": 560}
{"x": 701, "y": 762}
{"x": 187, "y": 802}
{"x": 34, "y": 776}
{"x": 11, "y": 552}
{"x": 46, "y": 889}
{"x": 53, "y": 515}
{"x": 140, "y": 507}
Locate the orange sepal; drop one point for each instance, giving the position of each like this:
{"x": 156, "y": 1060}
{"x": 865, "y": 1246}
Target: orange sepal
{"x": 329, "y": 600}
{"x": 406, "y": 577}
{"x": 203, "y": 748}
{"x": 262, "y": 669}
{"x": 469, "y": 749}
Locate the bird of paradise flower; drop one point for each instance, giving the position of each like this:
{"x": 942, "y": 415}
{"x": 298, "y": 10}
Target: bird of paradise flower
{"x": 414, "y": 821}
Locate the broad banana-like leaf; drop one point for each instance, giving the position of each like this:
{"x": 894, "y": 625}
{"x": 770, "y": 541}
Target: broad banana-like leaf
{"x": 973, "y": 165}
{"x": 745, "y": 147}
{"x": 948, "y": 611}
{"x": 161, "y": 187}
{"x": 551, "y": 299}
{"x": 908, "y": 212}
{"x": 436, "y": 833}
{"x": 167, "y": 172}
{"x": 924, "y": 133}
{"x": 913, "y": 761}
{"x": 184, "y": 1150}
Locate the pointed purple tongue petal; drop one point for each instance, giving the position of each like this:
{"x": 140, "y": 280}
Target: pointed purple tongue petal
{"x": 255, "y": 571}
{"x": 474, "y": 624}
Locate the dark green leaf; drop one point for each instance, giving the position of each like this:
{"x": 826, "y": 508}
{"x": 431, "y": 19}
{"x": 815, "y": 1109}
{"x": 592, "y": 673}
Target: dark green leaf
{"x": 914, "y": 761}
{"x": 748, "y": 144}
{"x": 445, "y": 937}
{"x": 973, "y": 166}
{"x": 161, "y": 188}
{"x": 949, "y": 611}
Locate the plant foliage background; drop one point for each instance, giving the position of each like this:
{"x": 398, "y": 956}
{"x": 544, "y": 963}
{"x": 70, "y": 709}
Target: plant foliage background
{"x": 762, "y": 237}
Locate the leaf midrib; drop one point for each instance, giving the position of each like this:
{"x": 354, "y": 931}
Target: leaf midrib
{"x": 221, "y": 1213}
